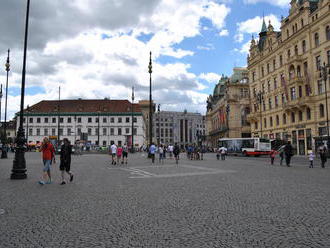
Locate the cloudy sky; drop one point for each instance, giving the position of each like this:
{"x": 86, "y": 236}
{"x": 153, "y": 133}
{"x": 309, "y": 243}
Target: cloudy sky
{"x": 100, "y": 48}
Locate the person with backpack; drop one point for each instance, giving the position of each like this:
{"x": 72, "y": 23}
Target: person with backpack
{"x": 161, "y": 154}
{"x": 65, "y": 160}
{"x": 152, "y": 151}
{"x": 176, "y": 152}
{"x": 125, "y": 153}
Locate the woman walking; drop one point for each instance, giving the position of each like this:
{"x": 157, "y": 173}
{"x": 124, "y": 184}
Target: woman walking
{"x": 48, "y": 155}
{"x": 65, "y": 157}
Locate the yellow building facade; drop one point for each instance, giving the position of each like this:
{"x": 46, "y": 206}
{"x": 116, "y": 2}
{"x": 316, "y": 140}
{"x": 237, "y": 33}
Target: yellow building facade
{"x": 288, "y": 98}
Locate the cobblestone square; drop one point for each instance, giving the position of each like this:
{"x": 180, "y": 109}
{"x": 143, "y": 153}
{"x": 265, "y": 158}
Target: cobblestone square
{"x": 240, "y": 202}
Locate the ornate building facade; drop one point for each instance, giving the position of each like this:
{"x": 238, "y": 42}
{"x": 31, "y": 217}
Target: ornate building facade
{"x": 228, "y": 107}
{"x": 287, "y": 93}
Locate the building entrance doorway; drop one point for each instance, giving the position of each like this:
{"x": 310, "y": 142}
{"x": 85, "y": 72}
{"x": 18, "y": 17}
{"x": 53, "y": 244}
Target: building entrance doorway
{"x": 301, "y": 147}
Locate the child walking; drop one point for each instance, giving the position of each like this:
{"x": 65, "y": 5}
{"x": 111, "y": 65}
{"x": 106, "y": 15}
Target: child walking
{"x": 311, "y": 159}
{"x": 272, "y": 156}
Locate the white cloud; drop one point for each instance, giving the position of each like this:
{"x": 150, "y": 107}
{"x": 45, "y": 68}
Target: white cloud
{"x": 210, "y": 77}
{"x": 252, "y": 26}
{"x": 224, "y": 32}
{"x": 207, "y": 47}
{"x": 89, "y": 65}
{"x": 281, "y": 3}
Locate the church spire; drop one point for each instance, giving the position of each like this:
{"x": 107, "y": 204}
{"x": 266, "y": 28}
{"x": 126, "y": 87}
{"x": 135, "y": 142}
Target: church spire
{"x": 264, "y": 27}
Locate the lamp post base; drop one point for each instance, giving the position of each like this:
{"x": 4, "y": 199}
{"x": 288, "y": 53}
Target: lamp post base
{"x": 19, "y": 164}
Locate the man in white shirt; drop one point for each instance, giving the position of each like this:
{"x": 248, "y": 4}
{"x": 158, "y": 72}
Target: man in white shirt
{"x": 223, "y": 152}
{"x": 113, "y": 150}
{"x": 170, "y": 150}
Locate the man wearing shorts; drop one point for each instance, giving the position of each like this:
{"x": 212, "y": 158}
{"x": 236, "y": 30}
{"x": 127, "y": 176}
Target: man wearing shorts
{"x": 48, "y": 154}
{"x": 119, "y": 154}
{"x": 125, "y": 153}
{"x": 113, "y": 150}
{"x": 65, "y": 156}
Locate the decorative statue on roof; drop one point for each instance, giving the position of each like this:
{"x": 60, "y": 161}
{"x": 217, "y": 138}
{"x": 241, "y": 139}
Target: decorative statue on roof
{"x": 209, "y": 103}
{"x": 270, "y": 27}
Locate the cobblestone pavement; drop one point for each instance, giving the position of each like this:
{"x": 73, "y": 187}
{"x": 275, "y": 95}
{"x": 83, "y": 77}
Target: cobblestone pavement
{"x": 242, "y": 202}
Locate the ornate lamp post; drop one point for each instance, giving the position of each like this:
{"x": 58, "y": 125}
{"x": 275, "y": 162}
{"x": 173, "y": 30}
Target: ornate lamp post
{"x": 324, "y": 74}
{"x": 19, "y": 164}
{"x": 98, "y": 128}
{"x": 58, "y": 117}
{"x": 158, "y": 125}
{"x": 260, "y": 98}
{"x": 150, "y": 102}
{"x": 4, "y": 143}
{"x": 132, "y": 109}
{"x": 27, "y": 124}
{"x": 227, "y": 119}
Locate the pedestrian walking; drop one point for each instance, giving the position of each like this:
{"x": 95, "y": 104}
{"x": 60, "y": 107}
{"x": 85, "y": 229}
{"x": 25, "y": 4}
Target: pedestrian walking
{"x": 223, "y": 152}
{"x": 288, "y": 152}
{"x": 161, "y": 154}
{"x": 311, "y": 159}
{"x": 152, "y": 151}
{"x": 323, "y": 151}
{"x": 272, "y": 156}
{"x": 176, "y": 153}
{"x": 170, "y": 150}
{"x": 281, "y": 150}
{"x": 113, "y": 150}
{"x": 65, "y": 160}
{"x": 119, "y": 154}
{"x": 48, "y": 155}
{"x": 125, "y": 153}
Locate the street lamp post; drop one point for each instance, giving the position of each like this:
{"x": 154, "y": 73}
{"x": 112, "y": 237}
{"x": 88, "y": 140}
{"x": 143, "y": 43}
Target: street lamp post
{"x": 150, "y": 102}
{"x": 27, "y": 125}
{"x": 132, "y": 109}
{"x": 0, "y": 112}
{"x": 58, "y": 116}
{"x": 75, "y": 128}
{"x": 260, "y": 98}
{"x": 4, "y": 145}
{"x": 158, "y": 125}
{"x": 98, "y": 128}
{"x": 324, "y": 73}
{"x": 19, "y": 163}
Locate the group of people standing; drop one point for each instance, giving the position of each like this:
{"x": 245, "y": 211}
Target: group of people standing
{"x": 119, "y": 154}
{"x": 162, "y": 150}
{"x": 48, "y": 158}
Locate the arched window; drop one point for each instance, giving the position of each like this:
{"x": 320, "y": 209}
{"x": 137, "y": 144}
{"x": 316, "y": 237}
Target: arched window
{"x": 321, "y": 110}
{"x": 298, "y": 71}
{"x": 327, "y": 32}
{"x": 308, "y": 113}
{"x": 303, "y": 45}
{"x": 256, "y": 125}
{"x": 316, "y": 39}
{"x": 271, "y": 121}
{"x": 291, "y": 72}
{"x": 296, "y": 49}
{"x": 289, "y": 53}
{"x": 265, "y": 122}
{"x": 300, "y": 116}
{"x": 284, "y": 119}
{"x": 277, "y": 120}
{"x": 293, "y": 117}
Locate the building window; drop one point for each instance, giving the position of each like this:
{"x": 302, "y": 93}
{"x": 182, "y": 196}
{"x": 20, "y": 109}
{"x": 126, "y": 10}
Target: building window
{"x": 320, "y": 86}
{"x": 30, "y": 131}
{"x": 262, "y": 71}
{"x": 127, "y": 130}
{"x": 300, "y": 115}
{"x": 318, "y": 62}
{"x": 97, "y": 131}
{"x": 327, "y": 32}
{"x": 300, "y": 91}
{"x": 271, "y": 121}
{"x": 274, "y": 64}
{"x": 97, "y": 119}
{"x": 104, "y": 131}
{"x": 119, "y": 131}
{"x": 281, "y": 60}
{"x": 112, "y": 131}
{"x": 104, "y": 143}
{"x": 268, "y": 68}
{"x": 46, "y": 131}
{"x": 61, "y": 120}
{"x": 61, "y": 131}
{"x": 303, "y": 45}
{"x": 307, "y": 90}
{"x": 289, "y": 53}
{"x": 283, "y": 98}
{"x": 127, "y": 119}
{"x": 79, "y": 119}
{"x": 293, "y": 117}
{"x": 321, "y": 110}
{"x": 89, "y": 131}
{"x": 69, "y": 120}
{"x": 298, "y": 71}
{"x": 277, "y": 120}
{"x": 69, "y": 131}
{"x": 291, "y": 72}
{"x": 328, "y": 57}
{"x": 253, "y": 76}
{"x": 112, "y": 120}
{"x": 135, "y": 119}
{"x": 276, "y": 101}
{"x": 256, "y": 125}
{"x": 104, "y": 120}
{"x": 265, "y": 122}
{"x": 119, "y": 120}
{"x": 53, "y": 131}
{"x": 284, "y": 119}
{"x": 24, "y": 120}
{"x": 38, "y": 120}
{"x": 316, "y": 39}
{"x": 38, "y": 131}
{"x": 275, "y": 83}
{"x": 135, "y": 131}
{"x": 296, "y": 50}
{"x": 30, "y": 120}
{"x": 302, "y": 22}
{"x": 79, "y": 131}
{"x": 270, "y": 103}
{"x": 268, "y": 85}
{"x": 89, "y": 120}
{"x": 308, "y": 113}
{"x": 46, "y": 120}
{"x": 293, "y": 93}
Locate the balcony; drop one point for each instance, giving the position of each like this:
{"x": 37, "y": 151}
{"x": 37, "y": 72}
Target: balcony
{"x": 298, "y": 80}
{"x": 295, "y": 58}
{"x": 253, "y": 117}
{"x": 297, "y": 104}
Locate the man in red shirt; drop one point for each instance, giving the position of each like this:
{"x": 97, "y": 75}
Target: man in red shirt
{"x": 48, "y": 155}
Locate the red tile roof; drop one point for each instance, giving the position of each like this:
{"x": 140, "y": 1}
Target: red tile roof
{"x": 84, "y": 106}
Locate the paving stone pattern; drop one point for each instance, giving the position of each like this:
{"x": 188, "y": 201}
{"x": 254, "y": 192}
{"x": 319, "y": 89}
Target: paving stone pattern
{"x": 242, "y": 202}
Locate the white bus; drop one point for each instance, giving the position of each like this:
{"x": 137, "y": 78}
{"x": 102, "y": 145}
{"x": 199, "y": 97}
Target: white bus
{"x": 246, "y": 146}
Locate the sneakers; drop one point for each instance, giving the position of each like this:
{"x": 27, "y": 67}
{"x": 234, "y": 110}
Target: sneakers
{"x": 62, "y": 183}
{"x": 49, "y": 182}
{"x": 71, "y": 177}
{"x": 41, "y": 182}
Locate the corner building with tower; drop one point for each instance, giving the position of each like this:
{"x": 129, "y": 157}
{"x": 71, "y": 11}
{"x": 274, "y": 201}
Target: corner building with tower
{"x": 288, "y": 93}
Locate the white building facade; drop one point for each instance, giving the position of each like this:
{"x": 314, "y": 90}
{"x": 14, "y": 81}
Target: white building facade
{"x": 95, "y": 122}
